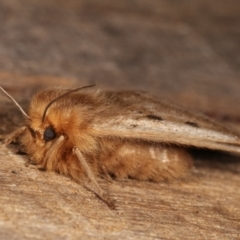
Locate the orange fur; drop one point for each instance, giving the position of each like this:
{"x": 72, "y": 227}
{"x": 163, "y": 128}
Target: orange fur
{"x": 93, "y": 132}
{"x": 71, "y": 117}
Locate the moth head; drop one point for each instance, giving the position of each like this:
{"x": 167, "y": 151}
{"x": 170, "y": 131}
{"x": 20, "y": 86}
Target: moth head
{"x": 47, "y": 122}
{"x": 46, "y": 132}
{"x": 51, "y": 125}
{"x": 53, "y": 130}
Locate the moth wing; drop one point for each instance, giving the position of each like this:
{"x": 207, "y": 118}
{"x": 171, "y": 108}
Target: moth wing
{"x": 135, "y": 115}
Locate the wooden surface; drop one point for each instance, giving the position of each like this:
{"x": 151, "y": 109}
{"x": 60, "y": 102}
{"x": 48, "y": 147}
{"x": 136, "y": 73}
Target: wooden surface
{"x": 187, "y": 52}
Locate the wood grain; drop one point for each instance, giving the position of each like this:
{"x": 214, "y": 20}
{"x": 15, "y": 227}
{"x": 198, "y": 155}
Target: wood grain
{"x": 186, "y": 52}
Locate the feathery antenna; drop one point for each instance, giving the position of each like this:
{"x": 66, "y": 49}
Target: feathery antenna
{"x": 15, "y": 102}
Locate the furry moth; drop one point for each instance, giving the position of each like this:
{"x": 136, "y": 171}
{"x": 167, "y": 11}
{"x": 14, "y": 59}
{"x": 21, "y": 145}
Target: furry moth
{"x": 88, "y": 132}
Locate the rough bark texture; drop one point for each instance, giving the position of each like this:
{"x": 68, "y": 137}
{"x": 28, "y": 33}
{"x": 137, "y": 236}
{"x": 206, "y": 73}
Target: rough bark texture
{"x": 185, "y": 51}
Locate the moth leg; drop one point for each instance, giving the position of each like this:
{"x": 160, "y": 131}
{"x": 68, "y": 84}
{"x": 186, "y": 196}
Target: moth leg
{"x": 50, "y": 159}
{"x": 106, "y": 174}
{"x": 91, "y": 177}
{"x": 12, "y": 136}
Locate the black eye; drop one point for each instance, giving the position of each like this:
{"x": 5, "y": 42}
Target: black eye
{"x": 49, "y": 134}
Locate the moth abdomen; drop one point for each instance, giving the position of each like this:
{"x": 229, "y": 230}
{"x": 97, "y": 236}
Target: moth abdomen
{"x": 145, "y": 161}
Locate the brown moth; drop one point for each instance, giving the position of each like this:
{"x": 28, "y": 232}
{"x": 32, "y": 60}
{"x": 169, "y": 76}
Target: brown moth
{"x": 89, "y": 132}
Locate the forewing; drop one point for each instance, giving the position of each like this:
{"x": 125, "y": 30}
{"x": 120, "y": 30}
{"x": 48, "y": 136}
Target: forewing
{"x": 134, "y": 115}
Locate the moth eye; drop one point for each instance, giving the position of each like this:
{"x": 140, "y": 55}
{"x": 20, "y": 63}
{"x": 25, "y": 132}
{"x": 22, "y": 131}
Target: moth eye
{"x": 49, "y": 134}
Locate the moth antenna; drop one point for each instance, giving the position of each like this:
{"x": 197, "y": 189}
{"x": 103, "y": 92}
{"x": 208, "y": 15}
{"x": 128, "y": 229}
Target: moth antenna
{"x": 90, "y": 175}
{"x": 15, "y": 102}
{"x": 61, "y": 96}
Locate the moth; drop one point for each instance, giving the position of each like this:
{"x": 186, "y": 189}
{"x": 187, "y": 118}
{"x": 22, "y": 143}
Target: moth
{"x": 86, "y": 133}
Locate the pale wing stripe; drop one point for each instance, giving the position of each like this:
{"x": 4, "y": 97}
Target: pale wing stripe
{"x": 142, "y": 126}
{"x": 169, "y": 132}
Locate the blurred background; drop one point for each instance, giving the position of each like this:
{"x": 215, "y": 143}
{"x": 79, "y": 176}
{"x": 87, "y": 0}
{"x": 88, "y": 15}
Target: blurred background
{"x": 185, "y": 51}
